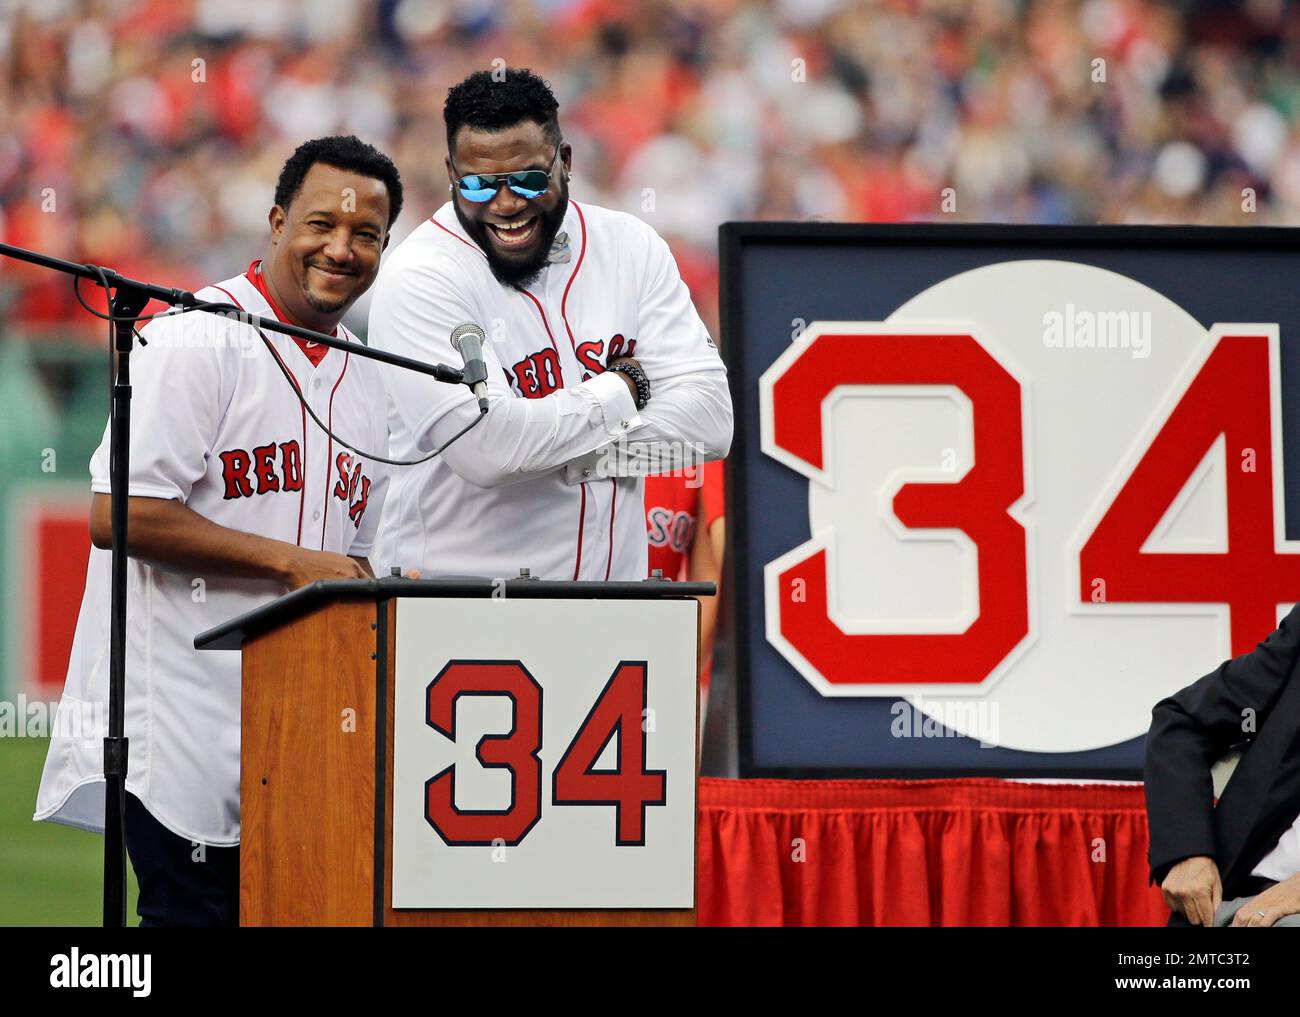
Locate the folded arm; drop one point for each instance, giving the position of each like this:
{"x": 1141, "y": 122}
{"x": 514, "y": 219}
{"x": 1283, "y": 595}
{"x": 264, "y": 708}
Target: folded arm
{"x": 417, "y": 306}
{"x": 688, "y": 420}
{"x": 414, "y": 311}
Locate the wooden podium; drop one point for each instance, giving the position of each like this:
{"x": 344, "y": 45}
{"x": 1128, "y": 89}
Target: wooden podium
{"x": 368, "y": 721}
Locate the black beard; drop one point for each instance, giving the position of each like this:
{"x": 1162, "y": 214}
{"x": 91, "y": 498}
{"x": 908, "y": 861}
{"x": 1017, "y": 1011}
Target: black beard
{"x": 519, "y": 275}
{"x": 323, "y": 306}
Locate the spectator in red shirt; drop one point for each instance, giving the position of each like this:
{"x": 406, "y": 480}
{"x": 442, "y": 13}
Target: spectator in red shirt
{"x": 674, "y": 508}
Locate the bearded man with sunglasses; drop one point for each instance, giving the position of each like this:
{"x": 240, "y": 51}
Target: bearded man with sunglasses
{"x": 599, "y": 368}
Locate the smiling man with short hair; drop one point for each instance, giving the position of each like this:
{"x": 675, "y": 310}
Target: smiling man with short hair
{"x": 597, "y": 360}
{"x": 235, "y": 496}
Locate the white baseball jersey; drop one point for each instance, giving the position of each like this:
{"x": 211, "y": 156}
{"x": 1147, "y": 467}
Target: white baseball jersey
{"x": 530, "y": 485}
{"x": 215, "y": 425}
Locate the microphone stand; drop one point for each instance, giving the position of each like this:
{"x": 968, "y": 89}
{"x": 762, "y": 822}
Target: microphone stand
{"x": 127, "y": 298}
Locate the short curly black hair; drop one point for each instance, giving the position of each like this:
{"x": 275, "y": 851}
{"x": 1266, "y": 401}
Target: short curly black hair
{"x": 495, "y": 100}
{"x": 345, "y": 152}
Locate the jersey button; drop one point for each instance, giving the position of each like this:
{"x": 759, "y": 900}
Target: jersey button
{"x": 316, "y": 514}
{"x": 316, "y": 383}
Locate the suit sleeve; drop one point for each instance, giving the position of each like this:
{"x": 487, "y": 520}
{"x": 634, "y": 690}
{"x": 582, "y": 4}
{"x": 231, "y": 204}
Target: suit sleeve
{"x": 1193, "y": 728}
{"x": 178, "y": 391}
{"x": 688, "y": 419}
{"x": 414, "y": 311}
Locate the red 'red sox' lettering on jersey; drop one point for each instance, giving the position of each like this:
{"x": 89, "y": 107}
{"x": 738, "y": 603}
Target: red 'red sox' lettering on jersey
{"x": 237, "y": 465}
{"x": 538, "y": 374}
{"x": 620, "y": 347}
{"x": 353, "y": 486}
{"x": 246, "y": 475}
{"x": 667, "y": 528}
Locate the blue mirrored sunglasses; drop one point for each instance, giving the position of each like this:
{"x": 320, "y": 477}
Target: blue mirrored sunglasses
{"x": 481, "y": 187}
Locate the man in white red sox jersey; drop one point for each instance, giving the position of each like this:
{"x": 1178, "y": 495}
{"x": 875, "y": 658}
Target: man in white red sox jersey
{"x": 597, "y": 361}
{"x": 236, "y": 495}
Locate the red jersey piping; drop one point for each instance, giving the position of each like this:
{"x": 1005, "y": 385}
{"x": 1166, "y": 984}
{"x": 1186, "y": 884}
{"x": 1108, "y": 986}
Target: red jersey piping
{"x": 612, "y": 500}
{"x": 473, "y": 247}
{"x": 582, "y": 253}
{"x": 329, "y": 451}
{"x": 302, "y": 409}
{"x": 540, "y": 310}
{"x": 582, "y": 519}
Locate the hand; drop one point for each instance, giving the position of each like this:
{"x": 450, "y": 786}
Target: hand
{"x": 1193, "y": 889}
{"x": 1276, "y": 902}
{"x": 631, "y": 385}
{"x": 305, "y": 566}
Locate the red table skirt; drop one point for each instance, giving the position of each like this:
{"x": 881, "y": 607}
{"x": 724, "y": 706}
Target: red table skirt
{"x": 973, "y": 851}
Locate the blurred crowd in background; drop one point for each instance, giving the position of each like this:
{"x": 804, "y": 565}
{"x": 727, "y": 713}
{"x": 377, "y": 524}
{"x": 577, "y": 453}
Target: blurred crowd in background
{"x": 147, "y": 134}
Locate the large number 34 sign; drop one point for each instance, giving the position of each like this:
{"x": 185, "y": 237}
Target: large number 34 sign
{"x": 1224, "y": 408}
{"x": 544, "y": 751}
{"x": 619, "y": 713}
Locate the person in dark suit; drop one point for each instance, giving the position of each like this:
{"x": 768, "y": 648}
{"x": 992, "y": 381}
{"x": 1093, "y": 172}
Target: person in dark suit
{"x": 1238, "y": 862}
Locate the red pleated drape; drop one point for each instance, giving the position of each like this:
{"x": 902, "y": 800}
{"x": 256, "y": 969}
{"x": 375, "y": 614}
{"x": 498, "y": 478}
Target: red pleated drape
{"x": 923, "y": 852}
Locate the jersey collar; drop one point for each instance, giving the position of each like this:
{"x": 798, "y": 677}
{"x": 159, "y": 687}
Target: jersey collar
{"x": 313, "y": 351}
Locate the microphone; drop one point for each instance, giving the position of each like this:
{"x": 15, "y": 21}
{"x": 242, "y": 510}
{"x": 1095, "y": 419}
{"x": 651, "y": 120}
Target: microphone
{"x": 467, "y": 340}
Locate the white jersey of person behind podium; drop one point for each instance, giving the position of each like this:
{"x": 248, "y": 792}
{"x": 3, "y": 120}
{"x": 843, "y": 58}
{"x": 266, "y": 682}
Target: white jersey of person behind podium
{"x": 214, "y": 424}
{"x": 529, "y": 487}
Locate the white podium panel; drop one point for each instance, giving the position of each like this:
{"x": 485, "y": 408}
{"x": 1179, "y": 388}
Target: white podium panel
{"x": 544, "y": 753}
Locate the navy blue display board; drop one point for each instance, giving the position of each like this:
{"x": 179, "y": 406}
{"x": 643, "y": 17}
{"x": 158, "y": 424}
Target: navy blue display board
{"x": 776, "y": 274}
